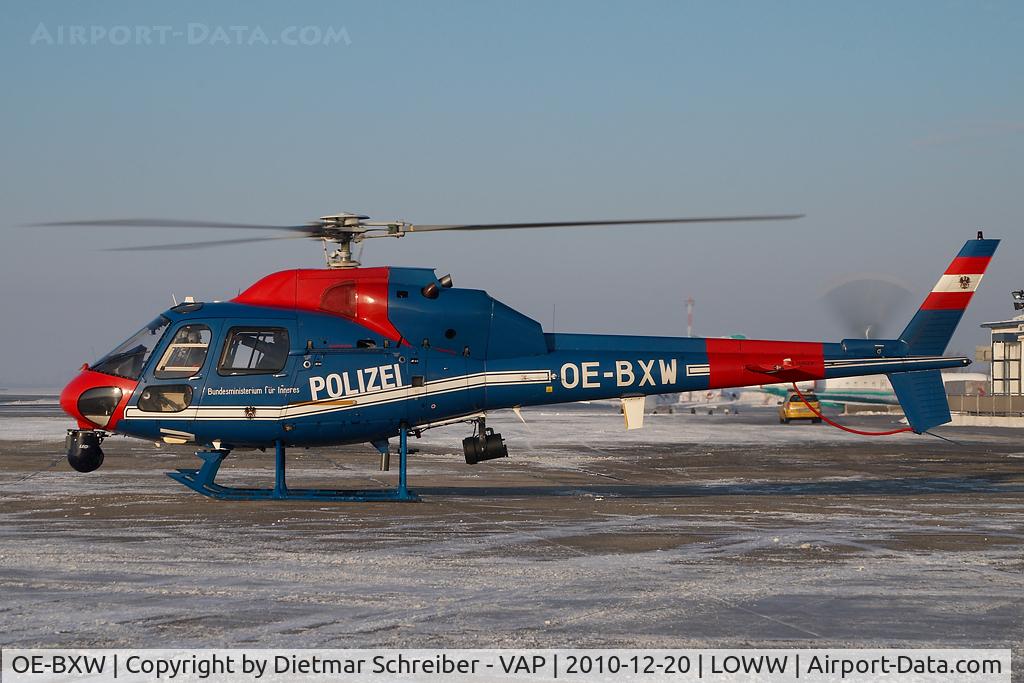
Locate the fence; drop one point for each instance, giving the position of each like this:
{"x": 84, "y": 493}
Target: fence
{"x": 1007, "y": 405}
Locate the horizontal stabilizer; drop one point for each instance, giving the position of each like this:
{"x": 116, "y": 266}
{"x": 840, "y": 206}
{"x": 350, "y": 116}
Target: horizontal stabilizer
{"x": 923, "y": 397}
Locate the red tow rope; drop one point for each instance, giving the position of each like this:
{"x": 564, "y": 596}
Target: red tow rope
{"x": 839, "y": 426}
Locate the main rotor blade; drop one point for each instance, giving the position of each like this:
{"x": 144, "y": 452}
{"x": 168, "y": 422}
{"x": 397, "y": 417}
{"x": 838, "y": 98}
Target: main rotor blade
{"x": 625, "y": 221}
{"x": 169, "y": 223}
{"x": 203, "y": 245}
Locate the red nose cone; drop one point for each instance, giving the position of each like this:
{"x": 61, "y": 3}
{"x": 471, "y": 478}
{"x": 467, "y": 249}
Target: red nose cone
{"x": 96, "y": 400}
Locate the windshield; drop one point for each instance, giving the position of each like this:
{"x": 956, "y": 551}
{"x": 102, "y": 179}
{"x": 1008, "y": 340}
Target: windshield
{"x": 128, "y": 359}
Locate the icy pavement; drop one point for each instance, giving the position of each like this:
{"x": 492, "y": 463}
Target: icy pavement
{"x": 697, "y": 530}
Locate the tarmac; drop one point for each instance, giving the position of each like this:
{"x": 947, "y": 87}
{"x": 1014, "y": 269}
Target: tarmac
{"x": 698, "y": 530}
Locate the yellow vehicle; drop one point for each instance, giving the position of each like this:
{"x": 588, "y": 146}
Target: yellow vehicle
{"x": 794, "y": 408}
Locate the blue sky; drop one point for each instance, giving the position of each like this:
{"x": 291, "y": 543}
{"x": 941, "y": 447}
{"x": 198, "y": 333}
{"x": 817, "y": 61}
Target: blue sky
{"x": 897, "y": 127}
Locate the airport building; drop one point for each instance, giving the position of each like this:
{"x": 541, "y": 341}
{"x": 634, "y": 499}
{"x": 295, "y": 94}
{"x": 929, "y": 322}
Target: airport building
{"x": 1005, "y": 356}
{"x": 1003, "y": 403}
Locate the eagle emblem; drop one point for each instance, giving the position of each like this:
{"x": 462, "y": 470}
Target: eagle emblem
{"x": 250, "y": 412}
{"x": 965, "y": 282}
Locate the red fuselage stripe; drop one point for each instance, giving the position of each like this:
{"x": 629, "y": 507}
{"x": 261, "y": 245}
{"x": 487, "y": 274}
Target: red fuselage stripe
{"x": 741, "y": 362}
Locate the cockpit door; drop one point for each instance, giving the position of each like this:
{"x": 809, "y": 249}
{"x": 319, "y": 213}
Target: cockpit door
{"x": 248, "y": 382}
{"x": 170, "y": 391}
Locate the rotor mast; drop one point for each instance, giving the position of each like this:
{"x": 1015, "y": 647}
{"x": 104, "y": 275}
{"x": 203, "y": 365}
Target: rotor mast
{"x": 346, "y": 229}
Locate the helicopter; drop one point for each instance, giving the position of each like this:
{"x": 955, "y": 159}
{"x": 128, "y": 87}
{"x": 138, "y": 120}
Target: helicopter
{"x": 346, "y": 354}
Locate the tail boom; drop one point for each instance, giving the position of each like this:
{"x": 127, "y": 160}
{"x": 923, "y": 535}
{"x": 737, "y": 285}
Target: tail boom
{"x": 588, "y": 367}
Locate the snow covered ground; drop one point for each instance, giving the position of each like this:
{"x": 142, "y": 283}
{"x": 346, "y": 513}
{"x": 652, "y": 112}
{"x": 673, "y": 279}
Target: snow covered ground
{"x": 696, "y": 530}
{"x": 48, "y": 429}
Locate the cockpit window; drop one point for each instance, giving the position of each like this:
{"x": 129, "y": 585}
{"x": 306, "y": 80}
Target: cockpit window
{"x": 185, "y": 354}
{"x": 128, "y": 359}
{"x": 254, "y": 351}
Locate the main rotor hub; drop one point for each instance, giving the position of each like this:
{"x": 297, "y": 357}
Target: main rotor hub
{"x": 345, "y": 229}
{"x": 343, "y": 220}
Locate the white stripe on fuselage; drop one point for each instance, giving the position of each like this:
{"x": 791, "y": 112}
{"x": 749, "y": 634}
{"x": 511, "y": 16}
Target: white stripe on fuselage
{"x": 435, "y": 388}
{"x": 698, "y": 370}
{"x": 874, "y": 362}
{"x": 331, "y": 405}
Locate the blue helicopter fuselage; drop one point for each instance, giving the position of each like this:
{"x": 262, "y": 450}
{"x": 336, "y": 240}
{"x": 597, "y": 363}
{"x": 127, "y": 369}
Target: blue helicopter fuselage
{"x": 319, "y": 357}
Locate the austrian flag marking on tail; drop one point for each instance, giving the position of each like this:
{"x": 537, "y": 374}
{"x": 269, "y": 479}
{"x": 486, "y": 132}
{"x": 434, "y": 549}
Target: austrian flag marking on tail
{"x": 954, "y": 289}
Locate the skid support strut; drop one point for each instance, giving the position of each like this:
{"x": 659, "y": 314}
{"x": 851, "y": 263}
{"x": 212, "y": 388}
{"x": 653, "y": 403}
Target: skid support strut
{"x": 202, "y": 480}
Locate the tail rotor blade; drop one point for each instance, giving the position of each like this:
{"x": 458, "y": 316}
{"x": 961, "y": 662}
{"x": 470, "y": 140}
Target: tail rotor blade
{"x": 865, "y": 305}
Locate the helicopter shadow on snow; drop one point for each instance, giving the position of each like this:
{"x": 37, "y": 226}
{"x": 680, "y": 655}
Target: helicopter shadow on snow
{"x": 991, "y": 483}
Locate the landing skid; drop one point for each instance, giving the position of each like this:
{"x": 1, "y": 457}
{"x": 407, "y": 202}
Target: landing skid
{"x": 202, "y": 481}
